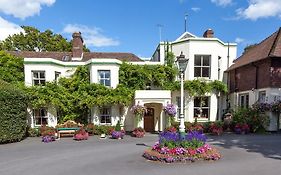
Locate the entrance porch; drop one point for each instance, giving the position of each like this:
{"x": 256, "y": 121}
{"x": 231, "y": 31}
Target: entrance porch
{"x": 154, "y": 100}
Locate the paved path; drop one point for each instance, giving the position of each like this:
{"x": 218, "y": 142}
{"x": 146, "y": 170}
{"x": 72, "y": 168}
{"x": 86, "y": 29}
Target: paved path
{"x": 245, "y": 154}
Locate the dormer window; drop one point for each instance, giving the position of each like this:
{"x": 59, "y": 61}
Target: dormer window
{"x": 104, "y": 77}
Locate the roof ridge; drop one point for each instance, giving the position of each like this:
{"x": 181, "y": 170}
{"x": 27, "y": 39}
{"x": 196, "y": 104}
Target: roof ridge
{"x": 271, "y": 52}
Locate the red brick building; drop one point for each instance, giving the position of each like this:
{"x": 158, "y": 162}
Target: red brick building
{"x": 256, "y": 76}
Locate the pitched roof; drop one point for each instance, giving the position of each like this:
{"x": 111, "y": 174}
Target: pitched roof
{"x": 86, "y": 55}
{"x": 269, "y": 47}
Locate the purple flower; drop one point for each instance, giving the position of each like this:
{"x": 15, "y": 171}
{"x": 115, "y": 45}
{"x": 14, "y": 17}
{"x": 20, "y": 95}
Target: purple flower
{"x": 195, "y": 135}
{"x": 168, "y": 136}
{"x": 170, "y": 109}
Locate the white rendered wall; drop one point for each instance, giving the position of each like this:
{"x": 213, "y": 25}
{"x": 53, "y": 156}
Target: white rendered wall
{"x": 114, "y": 73}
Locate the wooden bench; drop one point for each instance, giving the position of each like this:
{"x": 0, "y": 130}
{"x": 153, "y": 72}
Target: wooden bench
{"x": 68, "y": 131}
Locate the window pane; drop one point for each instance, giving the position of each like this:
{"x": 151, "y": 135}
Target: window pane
{"x": 197, "y": 72}
{"x": 102, "y": 119}
{"x": 205, "y": 113}
{"x": 206, "y": 60}
{"x": 35, "y": 74}
{"x": 196, "y": 102}
{"x": 205, "y": 102}
{"x": 107, "y": 82}
{"x": 42, "y": 74}
{"x": 36, "y": 82}
{"x": 107, "y": 74}
{"x": 197, "y": 61}
{"x": 108, "y": 119}
{"x": 42, "y": 82}
{"x": 205, "y": 72}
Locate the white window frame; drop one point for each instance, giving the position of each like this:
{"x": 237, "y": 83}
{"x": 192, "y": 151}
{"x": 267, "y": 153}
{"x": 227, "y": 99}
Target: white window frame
{"x": 106, "y": 116}
{"x": 57, "y": 76}
{"x": 202, "y": 107}
{"x": 245, "y": 102}
{"x": 102, "y": 79}
{"x": 40, "y": 116}
{"x": 201, "y": 66}
{"x": 41, "y": 80}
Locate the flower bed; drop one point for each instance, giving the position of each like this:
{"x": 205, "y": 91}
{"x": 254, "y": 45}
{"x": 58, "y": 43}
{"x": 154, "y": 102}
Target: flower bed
{"x": 172, "y": 148}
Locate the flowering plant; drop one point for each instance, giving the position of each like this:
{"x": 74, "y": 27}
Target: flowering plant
{"x": 241, "y": 128}
{"x": 216, "y": 128}
{"x": 138, "y": 109}
{"x": 173, "y": 148}
{"x": 138, "y": 132}
{"x": 170, "y": 110}
{"x": 81, "y": 134}
{"x": 118, "y": 134}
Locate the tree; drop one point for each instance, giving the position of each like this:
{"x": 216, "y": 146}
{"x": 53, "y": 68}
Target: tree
{"x": 11, "y": 68}
{"x": 34, "y": 40}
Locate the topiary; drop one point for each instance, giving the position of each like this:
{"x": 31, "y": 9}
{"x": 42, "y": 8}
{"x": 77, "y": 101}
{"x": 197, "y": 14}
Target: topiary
{"x": 118, "y": 126}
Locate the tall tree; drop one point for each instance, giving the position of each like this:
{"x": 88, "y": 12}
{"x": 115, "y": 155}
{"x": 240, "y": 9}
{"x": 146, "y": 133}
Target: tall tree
{"x": 11, "y": 68}
{"x": 34, "y": 40}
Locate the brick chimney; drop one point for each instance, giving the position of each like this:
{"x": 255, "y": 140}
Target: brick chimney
{"x": 208, "y": 33}
{"x": 77, "y": 45}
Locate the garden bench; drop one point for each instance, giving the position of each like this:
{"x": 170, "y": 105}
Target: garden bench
{"x": 68, "y": 131}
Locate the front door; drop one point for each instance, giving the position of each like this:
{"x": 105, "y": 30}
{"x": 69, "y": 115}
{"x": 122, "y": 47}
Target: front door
{"x": 149, "y": 120}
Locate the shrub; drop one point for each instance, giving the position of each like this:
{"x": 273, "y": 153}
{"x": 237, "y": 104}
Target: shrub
{"x": 33, "y": 132}
{"x": 255, "y": 119}
{"x": 118, "y": 126}
{"x": 103, "y": 129}
{"x": 47, "y": 131}
{"x": 216, "y": 128}
{"x": 90, "y": 128}
{"x": 13, "y": 105}
{"x": 171, "y": 129}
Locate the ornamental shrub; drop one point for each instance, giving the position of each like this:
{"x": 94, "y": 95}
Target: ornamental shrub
{"x": 13, "y": 113}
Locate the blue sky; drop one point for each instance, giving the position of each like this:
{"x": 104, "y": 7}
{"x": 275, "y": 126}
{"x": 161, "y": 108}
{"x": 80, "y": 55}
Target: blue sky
{"x": 131, "y": 25}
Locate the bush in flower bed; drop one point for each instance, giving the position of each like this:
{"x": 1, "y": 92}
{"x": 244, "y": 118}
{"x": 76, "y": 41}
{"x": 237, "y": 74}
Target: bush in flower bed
{"x": 172, "y": 148}
{"x": 241, "y": 128}
{"x": 216, "y": 128}
{"x": 138, "y": 132}
{"x": 81, "y": 134}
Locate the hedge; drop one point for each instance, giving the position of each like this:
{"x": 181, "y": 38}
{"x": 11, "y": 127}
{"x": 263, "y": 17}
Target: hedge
{"x": 12, "y": 113}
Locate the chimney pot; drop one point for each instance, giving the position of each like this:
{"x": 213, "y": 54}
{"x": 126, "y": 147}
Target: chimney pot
{"x": 208, "y": 33}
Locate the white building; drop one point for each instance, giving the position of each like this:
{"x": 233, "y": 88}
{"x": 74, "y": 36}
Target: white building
{"x": 208, "y": 57}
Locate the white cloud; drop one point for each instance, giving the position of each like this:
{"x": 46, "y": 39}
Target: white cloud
{"x": 195, "y": 9}
{"x": 7, "y": 28}
{"x": 239, "y": 40}
{"x": 260, "y": 9}
{"x": 23, "y": 8}
{"x": 91, "y": 36}
{"x": 222, "y": 3}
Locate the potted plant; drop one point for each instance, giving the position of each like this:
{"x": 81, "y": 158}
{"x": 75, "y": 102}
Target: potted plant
{"x": 117, "y": 133}
{"x": 138, "y": 132}
{"x": 139, "y": 111}
{"x": 170, "y": 110}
